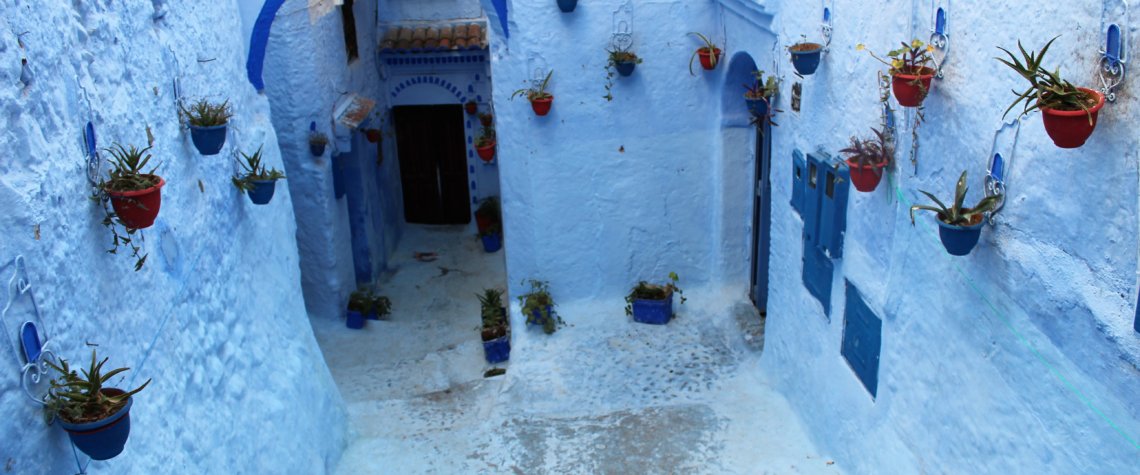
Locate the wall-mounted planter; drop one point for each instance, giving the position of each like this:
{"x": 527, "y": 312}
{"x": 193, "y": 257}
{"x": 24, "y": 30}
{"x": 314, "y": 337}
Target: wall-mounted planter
{"x": 486, "y": 119}
{"x": 866, "y": 177}
{"x": 709, "y": 58}
{"x": 1070, "y": 129}
{"x": 138, "y": 209}
{"x": 567, "y": 6}
{"x": 103, "y": 439}
{"x": 208, "y": 140}
{"x": 960, "y": 240}
{"x": 262, "y": 191}
{"x": 486, "y": 152}
{"x": 542, "y": 105}
{"x": 911, "y": 89}
{"x": 354, "y": 320}
{"x": 805, "y": 57}
{"x": 625, "y": 68}
{"x": 317, "y": 149}
{"x": 492, "y": 242}
{"x": 653, "y": 312}
{"x": 471, "y": 107}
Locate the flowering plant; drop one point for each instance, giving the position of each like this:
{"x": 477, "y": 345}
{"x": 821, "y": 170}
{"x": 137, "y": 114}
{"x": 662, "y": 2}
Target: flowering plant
{"x": 910, "y": 59}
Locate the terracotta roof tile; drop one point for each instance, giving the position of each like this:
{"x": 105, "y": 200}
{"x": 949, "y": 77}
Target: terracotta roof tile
{"x": 429, "y": 38}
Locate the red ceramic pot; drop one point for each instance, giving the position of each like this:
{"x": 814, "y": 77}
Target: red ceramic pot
{"x": 907, "y": 90}
{"x": 373, "y": 135}
{"x": 1070, "y": 129}
{"x": 709, "y": 59}
{"x": 487, "y": 152}
{"x": 542, "y": 106}
{"x": 471, "y": 107}
{"x": 137, "y": 209}
{"x": 483, "y": 222}
{"x": 866, "y": 177}
{"x": 486, "y": 119}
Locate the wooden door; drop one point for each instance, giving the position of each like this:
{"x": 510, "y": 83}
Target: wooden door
{"x": 433, "y": 164}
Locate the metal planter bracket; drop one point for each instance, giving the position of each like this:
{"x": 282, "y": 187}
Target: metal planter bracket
{"x": 1114, "y": 25}
{"x": 25, "y": 331}
{"x": 1000, "y": 162}
{"x": 939, "y": 33}
{"x": 827, "y": 25}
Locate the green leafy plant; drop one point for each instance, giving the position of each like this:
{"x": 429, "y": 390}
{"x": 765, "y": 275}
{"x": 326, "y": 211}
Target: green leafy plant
{"x": 80, "y": 398}
{"x": 318, "y": 138}
{"x": 617, "y": 55}
{"x": 957, "y": 215}
{"x": 254, "y": 170}
{"x": 1046, "y": 88}
{"x": 204, "y": 113}
{"x": 534, "y": 93}
{"x": 647, "y": 291}
{"x": 128, "y": 173}
{"x": 491, "y": 311}
{"x": 910, "y": 59}
{"x": 875, "y": 152}
{"x": 486, "y": 137}
{"x": 709, "y": 46}
{"x": 365, "y": 300}
{"x": 539, "y": 301}
{"x": 489, "y": 208}
{"x": 761, "y": 88}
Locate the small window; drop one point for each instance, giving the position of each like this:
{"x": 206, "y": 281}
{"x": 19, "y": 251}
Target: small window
{"x": 830, "y": 189}
{"x": 349, "y": 20}
{"x": 811, "y": 175}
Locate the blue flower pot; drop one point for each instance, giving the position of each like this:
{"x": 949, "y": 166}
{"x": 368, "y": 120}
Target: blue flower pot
{"x": 959, "y": 240}
{"x": 625, "y": 69}
{"x": 758, "y": 107}
{"x": 102, "y": 440}
{"x": 497, "y": 350}
{"x": 653, "y": 312}
{"x": 538, "y": 319}
{"x": 262, "y": 191}
{"x": 806, "y": 62}
{"x": 317, "y": 149}
{"x": 567, "y": 6}
{"x": 354, "y": 320}
{"x": 492, "y": 242}
{"x": 208, "y": 140}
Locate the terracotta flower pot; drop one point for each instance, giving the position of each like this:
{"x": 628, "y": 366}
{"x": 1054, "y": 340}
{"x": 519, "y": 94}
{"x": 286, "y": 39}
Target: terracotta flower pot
{"x": 486, "y": 152}
{"x": 471, "y": 107}
{"x": 907, "y": 90}
{"x": 486, "y": 119}
{"x": 137, "y": 209}
{"x": 866, "y": 178}
{"x": 542, "y": 106}
{"x": 1070, "y": 129}
{"x": 709, "y": 59}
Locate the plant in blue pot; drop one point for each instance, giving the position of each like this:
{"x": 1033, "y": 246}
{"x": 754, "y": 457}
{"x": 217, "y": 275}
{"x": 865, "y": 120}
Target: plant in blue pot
{"x": 567, "y": 6}
{"x": 621, "y": 62}
{"x": 496, "y": 331}
{"x": 805, "y": 56}
{"x": 651, "y": 303}
{"x": 207, "y": 124}
{"x": 256, "y": 180}
{"x": 759, "y": 95}
{"x": 317, "y": 143}
{"x": 97, "y": 418}
{"x": 362, "y": 304}
{"x": 538, "y": 307}
{"x": 958, "y": 227}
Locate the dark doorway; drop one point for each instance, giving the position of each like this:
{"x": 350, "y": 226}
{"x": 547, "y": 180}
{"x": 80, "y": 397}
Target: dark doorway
{"x": 433, "y": 164}
{"x": 761, "y": 219}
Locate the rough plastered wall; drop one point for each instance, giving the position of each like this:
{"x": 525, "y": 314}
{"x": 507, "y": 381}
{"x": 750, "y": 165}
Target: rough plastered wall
{"x": 429, "y": 10}
{"x": 215, "y": 318}
{"x": 1018, "y": 358}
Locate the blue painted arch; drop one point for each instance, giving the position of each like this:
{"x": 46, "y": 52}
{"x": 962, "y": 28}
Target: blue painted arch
{"x": 259, "y": 40}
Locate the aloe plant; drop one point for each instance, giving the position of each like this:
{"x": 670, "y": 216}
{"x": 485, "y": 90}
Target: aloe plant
{"x": 491, "y": 308}
{"x": 204, "y": 113}
{"x": 128, "y": 171}
{"x": 79, "y": 398}
{"x": 709, "y": 46}
{"x": 254, "y": 171}
{"x": 1046, "y": 88}
{"x": 957, "y": 215}
{"x": 535, "y": 92}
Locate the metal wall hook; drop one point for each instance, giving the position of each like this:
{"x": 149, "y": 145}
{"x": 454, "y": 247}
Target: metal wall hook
{"x": 827, "y": 27}
{"x": 1000, "y": 162}
{"x": 939, "y": 33}
{"x": 1114, "y": 54}
{"x": 27, "y": 336}
{"x": 622, "y": 39}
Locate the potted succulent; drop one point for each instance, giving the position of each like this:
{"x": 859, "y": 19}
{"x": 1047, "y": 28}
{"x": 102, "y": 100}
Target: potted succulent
{"x": 538, "y": 307}
{"x": 540, "y": 99}
{"x": 492, "y": 238}
{"x": 709, "y": 54}
{"x": 471, "y": 107}
{"x": 653, "y": 304}
{"x": 486, "y": 119}
{"x": 487, "y": 214}
{"x": 866, "y": 158}
{"x": 1068, "y": 112}
{"x": 208, "y": 125}
{"x": 317, "y": 143}
{"x": 911, "y": 71}
{"x": 759, "y": 94}
{"x": 958, "y": 227}
{"x": 485, "y": 144}
{"x": 567, "y": 6}
{"x": 97, "y": 418}
{"x": 135, "y": 193}
{"x": 621, "y": 61}
{"x": 805, "y": 56}
{"x": 256, "y": 181}
{"x": 496, "y": 331}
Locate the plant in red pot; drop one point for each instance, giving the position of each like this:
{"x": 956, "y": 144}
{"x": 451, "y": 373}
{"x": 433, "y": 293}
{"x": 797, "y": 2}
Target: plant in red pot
{"x": 487, "y": 214}
{"x": 471, "y": 107}
{"x": 540, "y": 99}
{"x": 911, "y": 71}
{"x": 135, "y": 196}
{"x": 486, "y": 119}
{"x": 958, "y": 227}
{"x": 96, "y": 418}
{"x": 485, "y": 144}
{"x": 709, "y": 54}
{"x": 1069, "y": 112}
{"x": 866, "y": 158}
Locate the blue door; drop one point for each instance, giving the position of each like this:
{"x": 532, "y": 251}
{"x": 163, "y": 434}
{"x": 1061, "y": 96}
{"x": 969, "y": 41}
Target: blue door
{"x": 761, "y": 218}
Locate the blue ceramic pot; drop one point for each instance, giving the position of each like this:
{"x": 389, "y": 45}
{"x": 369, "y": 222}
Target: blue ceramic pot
{"x": 807, "y": 61}
{"x": 262, "y": 191}
{"x": 653, "y": 312}
{"x": 959, "y": 240}
{"x": 497, "y": 350}
{"x": 567, "y": 6}
{"x": 625, "y": 69}
{"x": 354, "y": 320}
{"x": 208, "y": 140}
{"x": 492, "y": 242}
{"x": 537, "y": 318}
{"x": 104, "y": 439}
{"x": 317, "y": 149}
{"x": 758, "y": 107}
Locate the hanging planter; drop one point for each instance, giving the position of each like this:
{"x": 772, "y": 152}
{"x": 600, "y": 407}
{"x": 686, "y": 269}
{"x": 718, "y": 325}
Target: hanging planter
{"x": 653, "y": 304}
{"x": 540, "y": 99}
{"x": 958, "y": 227}
{"x": 317, "y": 143}
{"x": 805, "y": 57}
{"x": 567, "y": 6}
{"x": 538, "y": 307}
{"x": 208, "y": 123}
{"x": 867, "y": 158}
{"x": 1069, "y": 112}
{"x": 496, "y": 331}
{"x": 709, "y": 54}
{"x": 486, "y": 119}
{"x": 471, "y": 107}
{"x": 135, "y": 193}
{"x": 911, "y": 89}
{"x": 97, "y": 419}
{"x": 373, "y": 135}
{"x": 622, "y": 62}
{"x": 911, "y": 71}
{"x": 759, "y": 94}
{"x": 485, "y": 144}
{"x": 258, "y": 182}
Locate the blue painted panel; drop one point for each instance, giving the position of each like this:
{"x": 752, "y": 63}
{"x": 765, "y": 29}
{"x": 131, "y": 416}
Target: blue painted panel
{"x": 1136, "y": 324}
{"x": 352, "y": 177}
{"x": 799, "y": 171}
{"x": 258, "y": 41}
{"x": 862, "y": 340}
{"x": 833, "y": 209}
{"x": 812, "y": 197}
{"x": 818, "y": 270}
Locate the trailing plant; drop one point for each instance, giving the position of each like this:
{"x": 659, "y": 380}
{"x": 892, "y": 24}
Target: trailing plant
{"x": 486, "y": 137}
{"x": 318, "y": 138}
{"x": 647, "y": 291}
{"x": 1046, "y": 88}
{"x": 254, "y": 171}
{"x": 875, "y": 152}
{"x": 761, "y": 88}
{"x": 617, "y": 55}
{"x": 957, "y": 215}
{"x": 708, "y": 46}
{"x": 128, "y": 173}
{"x": 78, "y": 398}
{"x": 534, "y": 93}
{"x": 207, "y": 114}
{"x": 909, "y": 59}
{"x": 538, "y": 301}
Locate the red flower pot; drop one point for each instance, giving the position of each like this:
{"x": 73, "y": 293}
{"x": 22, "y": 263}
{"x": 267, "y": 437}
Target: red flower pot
{"x": 866, "y": 177}
{"x": 907, "y": 90}
{"x": 487, "y": 152}
{"x": 471, "y": 107}
{"x": 373, "y": 135}
{"x": 137, "y": 209}
{"x": 1070, "y": 129}
{"x": 542, "y": 106}
{"x": 709, "y": 59}
{"x": 486, "y": 119}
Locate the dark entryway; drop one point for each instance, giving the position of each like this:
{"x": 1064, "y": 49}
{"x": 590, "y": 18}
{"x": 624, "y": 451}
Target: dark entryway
{"x": 761, "y": 219}
{"x": 433, "y": 164}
